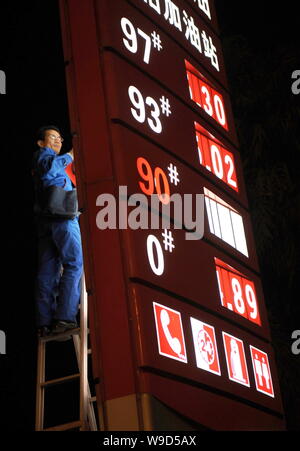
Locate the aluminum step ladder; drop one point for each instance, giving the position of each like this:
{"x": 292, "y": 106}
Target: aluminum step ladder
{"x": 87, "y": 420}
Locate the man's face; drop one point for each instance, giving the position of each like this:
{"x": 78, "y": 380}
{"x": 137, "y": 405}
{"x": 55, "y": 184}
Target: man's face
{"x": 53, "y": 140}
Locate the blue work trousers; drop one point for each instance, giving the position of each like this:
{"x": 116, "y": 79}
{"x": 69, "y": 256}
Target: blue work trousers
{"x": 58, "y": 284}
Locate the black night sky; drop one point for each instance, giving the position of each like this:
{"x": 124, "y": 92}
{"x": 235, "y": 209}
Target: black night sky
{"x": 261, "y": 51}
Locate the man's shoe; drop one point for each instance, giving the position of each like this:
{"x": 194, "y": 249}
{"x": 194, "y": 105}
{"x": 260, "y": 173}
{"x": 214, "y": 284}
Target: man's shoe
{"x": 44, "y": 331}
{"x": 60, "y": 326}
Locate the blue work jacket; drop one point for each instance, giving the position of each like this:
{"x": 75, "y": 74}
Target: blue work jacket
{"x": 50, "y": 168}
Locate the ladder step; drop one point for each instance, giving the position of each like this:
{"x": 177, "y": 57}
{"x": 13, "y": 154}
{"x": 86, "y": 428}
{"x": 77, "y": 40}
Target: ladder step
{"x": 58, "y": 336}
{"x": 60, "y": 380}
{"x": 65, "y": 427}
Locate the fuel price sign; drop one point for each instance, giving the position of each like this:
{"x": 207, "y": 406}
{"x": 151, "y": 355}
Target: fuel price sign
{"x": 170, "y": 256}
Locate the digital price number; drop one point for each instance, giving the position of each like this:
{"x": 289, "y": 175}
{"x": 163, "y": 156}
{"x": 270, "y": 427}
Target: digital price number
{"x": 204, "y": 94}
{"x": 237, "y": 292}
{"x": 215, "y": 158}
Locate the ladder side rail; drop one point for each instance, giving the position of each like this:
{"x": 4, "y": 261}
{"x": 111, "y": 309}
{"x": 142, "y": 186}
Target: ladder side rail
{"x": 40, "y": 393}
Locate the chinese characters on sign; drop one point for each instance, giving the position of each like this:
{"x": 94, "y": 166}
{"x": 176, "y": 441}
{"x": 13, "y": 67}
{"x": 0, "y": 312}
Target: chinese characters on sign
{"x": 186, "y": 24}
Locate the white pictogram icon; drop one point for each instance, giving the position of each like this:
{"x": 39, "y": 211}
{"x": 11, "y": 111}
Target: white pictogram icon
{"x": 236, "y": 359}
{"x": 205, "y": 346}
{"x": 173, "y": 341}
{"x": 262, "y": 371}
{"x": 169, "y": 332}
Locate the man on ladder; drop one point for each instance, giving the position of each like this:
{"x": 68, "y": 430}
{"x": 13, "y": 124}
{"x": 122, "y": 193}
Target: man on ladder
{"x": 60, "y": 264}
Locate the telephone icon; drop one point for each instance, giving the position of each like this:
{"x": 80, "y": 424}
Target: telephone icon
{"x": 173, "y": 341}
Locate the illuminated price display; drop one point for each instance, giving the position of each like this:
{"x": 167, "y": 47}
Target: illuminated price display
{"x": 215, "y": 157}
{"x": 205, "y": 95}
{"x": 237, "y": 293}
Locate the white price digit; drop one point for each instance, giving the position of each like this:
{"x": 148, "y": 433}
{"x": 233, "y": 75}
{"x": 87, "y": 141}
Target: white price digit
{"x": 139, "y": 112}
{"x": 207, "y": 106}
{"x": 219, "y": 107}
{"x": 238, "y": 298}
{"x": 131, "y": 41}
{"x": 130, "y": 33}
{"x": 159, "y": 266}
{"x": 147, "y": 50}
{"x": 230, "y": 180}
{"x": 216, "y": 161}
{"x": 251, "y": 299}
{"x": 154, "y": 123}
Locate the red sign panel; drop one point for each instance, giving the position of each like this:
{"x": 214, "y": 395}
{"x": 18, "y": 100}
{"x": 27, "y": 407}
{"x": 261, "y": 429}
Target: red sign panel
{"x": 154, "y": 117}
{"x": 138, "y": 161}
{"x": 199, "y": 347}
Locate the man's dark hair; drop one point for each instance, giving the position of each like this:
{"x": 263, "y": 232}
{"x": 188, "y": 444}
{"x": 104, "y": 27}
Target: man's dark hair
{"x": 42, "y": 130}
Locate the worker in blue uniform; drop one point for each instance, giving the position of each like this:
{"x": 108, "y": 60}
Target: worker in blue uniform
{"x": 60, "y": 262}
